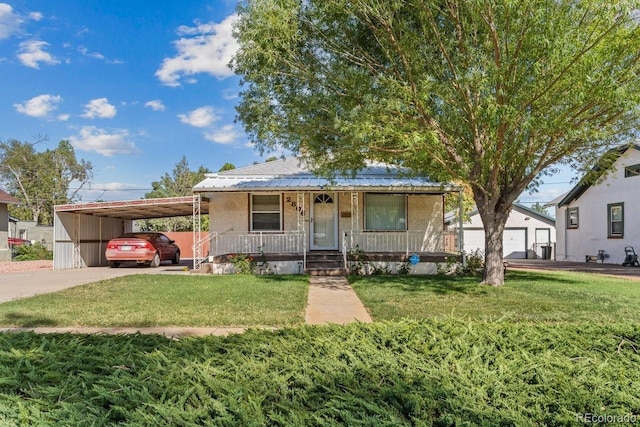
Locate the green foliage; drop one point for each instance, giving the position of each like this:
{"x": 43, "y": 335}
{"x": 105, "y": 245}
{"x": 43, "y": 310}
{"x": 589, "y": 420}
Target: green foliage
{"x": 242, "y": 263}
{"x": 43, "y": 179}
{"x": 492, "y": 94}
{"x": 179, "y": 183}
{"x": 32, "y": 252}
{"x": 227, "y": 167}
{"x": 472, "y": 266}
{"x": 385, "y": 374}
{"x": 540, "y": 208}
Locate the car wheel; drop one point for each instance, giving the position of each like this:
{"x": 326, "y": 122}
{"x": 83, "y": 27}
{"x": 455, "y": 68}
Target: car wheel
{"x": 155, "y": 262}
{"x": 176, "y": 258}
{"x": 114, "y": 264}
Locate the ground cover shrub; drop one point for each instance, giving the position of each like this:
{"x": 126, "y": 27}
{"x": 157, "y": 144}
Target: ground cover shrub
{"x": 34, "y": 252}
{"x": 389, "y": 373}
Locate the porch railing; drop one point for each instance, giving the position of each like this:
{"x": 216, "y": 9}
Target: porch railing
{"x": 253, "y": 242}
{"x": 409, "y": 241}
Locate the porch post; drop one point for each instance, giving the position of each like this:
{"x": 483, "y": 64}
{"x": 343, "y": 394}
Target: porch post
{"x": 301, "y": 230}
{"x": 197, "y": 225}
{"x": 355, "y": 217}
{"x": 460, "y": 222}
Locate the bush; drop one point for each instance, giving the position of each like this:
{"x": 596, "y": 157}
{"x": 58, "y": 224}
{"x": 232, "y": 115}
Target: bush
{"x": 242, "y": 263}
{"x": 32, "y": 252}
{"x": 474, "y": 263}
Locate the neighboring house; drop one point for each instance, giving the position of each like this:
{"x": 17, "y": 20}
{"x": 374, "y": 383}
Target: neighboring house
{"x": 599, "y": 214}
{"x": 32, "y": 231}
{"x": 283, "y": 210}
{"x": 5, "y": 200}
{"x": 527, "y": 234}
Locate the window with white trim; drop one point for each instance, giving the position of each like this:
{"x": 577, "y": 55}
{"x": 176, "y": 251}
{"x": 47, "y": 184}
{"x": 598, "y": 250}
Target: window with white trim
{"x": 266, "y": 212}
{"x": 630, "y": 171}
{"x": 572, "y": 218}
{"x": 385, "y": 212}
{"x": 615, "y": 215}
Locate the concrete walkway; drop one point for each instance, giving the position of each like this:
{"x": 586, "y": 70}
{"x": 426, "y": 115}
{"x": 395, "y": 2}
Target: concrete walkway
{"x": 333, "y": 300}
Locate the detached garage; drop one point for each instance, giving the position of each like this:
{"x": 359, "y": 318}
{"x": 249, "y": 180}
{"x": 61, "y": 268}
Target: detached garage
{"x": 527, "y": 234}
{"x": 81, "y": 231}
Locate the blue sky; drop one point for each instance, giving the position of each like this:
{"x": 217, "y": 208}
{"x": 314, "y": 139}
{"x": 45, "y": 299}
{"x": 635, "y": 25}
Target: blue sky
{"x": 133, "y": 84}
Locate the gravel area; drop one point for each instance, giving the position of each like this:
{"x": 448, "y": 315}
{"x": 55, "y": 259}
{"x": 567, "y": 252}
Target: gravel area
{"x": 18, "y": 266}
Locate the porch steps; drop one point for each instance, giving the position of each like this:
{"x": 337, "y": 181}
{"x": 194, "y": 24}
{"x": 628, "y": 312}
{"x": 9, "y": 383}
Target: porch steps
{"x": 325, "y": 264}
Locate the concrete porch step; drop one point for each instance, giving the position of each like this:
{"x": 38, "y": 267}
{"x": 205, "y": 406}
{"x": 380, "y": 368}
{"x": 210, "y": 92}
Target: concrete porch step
{"x": 326, "y": 271}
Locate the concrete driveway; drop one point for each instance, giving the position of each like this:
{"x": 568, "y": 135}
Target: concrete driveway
{"x": 586, "y": 267}
{"x": 29, "y": 283}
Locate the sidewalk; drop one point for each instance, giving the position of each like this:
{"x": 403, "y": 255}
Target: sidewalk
{"x": 330, "y": 300}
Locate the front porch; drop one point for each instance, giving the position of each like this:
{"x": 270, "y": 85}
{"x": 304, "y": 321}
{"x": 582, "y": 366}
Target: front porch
{"x": 288, "y": 252}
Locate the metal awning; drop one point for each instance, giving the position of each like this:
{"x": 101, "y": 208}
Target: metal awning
{"x": 138, "y": 209}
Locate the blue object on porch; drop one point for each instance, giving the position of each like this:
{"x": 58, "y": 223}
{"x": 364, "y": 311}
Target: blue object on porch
{"x": 414, "y": 259}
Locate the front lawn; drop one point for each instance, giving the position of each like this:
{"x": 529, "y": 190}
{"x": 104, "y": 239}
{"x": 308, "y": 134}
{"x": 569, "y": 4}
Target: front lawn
{"x": 527, "y": 296}
{"x": 407, "y": 373}
{"x": 167, "y": 300}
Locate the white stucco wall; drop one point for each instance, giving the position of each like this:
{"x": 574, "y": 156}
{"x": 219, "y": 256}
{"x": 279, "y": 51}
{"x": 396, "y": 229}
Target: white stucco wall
{"x": 592, "y": 232}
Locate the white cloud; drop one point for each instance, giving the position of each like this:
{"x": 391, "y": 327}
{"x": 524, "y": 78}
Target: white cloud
{"x": 32, "y": 54}
{"x": 200, "y": 117}
{"x": 63, "y": 117}
{"x": 9, "y": 21}
{"x": 155, "y": 105}
{"x": 36, "y": 16}
{"x": 99, "y": 108}
{"x": 92, "y": 138}
{"x": 205, "y": 48}
{"x": 39, "y": 106}
{"x": 230, "y": 94}
{"x": 225, "y": 135}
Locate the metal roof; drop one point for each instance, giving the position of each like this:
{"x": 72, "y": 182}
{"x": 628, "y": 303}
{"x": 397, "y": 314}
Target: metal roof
{"x": 290, "y": 175}
{"x": 137, "y": 209}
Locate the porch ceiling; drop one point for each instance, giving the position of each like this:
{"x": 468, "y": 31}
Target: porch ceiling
{"x": 137, "y": 209}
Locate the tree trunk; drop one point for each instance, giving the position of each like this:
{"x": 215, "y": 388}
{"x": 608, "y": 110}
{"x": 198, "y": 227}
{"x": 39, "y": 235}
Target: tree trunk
{"x": 494, "y": 223}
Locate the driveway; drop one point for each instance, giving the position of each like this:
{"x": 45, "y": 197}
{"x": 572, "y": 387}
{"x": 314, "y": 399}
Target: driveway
{"x": 586, "y": 267}
{"x": 21, "y": 284}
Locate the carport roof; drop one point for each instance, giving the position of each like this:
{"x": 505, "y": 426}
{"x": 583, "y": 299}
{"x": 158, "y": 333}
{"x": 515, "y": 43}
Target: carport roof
{"x": 137, "y": 209}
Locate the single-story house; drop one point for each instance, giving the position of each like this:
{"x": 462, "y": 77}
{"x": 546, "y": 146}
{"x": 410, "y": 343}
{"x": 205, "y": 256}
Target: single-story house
{"x": 5, "y": 200}
{"x": 282, "y": 213}
{"x": 596, "y": 219}
{"x": 528, "y": 233}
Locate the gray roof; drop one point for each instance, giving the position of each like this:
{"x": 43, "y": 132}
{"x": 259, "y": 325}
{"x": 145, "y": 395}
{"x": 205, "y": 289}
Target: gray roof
{"x": 291, "y": 175}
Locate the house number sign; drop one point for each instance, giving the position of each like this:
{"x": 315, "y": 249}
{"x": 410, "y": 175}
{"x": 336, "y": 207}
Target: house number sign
{"x": 294, "y": 205}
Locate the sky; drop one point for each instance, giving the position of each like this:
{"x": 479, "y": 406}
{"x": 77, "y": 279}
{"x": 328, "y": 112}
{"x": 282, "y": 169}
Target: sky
{"x": 133, "y": 85}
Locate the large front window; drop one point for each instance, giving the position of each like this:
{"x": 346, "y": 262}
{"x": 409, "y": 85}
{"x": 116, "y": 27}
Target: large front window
{"x": 265, "y": 212}
{"x": 385, "y": 212}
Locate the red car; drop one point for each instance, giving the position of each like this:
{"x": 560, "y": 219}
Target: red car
{"x": 144, "y": 248}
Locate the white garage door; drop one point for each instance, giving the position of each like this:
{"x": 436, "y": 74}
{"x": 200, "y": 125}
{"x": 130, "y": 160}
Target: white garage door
{"x": 514, "y": 241}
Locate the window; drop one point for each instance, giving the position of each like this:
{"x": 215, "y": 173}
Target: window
{"x": 265, "y": 212}
{"x": 572, "y": 218}
{"x": 385, "y": 212}
{"x": 616, "y": 219}
{"x": 630, "y": 171}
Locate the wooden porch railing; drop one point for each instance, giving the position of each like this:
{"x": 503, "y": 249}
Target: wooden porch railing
{"x": 409, "y": 241}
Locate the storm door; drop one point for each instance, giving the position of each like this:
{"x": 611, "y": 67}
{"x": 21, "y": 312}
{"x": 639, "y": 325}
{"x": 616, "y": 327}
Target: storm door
{"x": 324, "y": 223}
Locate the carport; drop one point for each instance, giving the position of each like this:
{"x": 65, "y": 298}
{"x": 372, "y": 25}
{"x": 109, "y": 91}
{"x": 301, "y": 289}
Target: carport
{"x": 81, "y": 231}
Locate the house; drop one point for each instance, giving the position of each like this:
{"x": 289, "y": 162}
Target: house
{"x": 528, "y": 233}
{"x": 281, "y": 213}
{"x": 597, "y": 216}
{"x": 32, "y": 231}
{"x": 5, "y": 200}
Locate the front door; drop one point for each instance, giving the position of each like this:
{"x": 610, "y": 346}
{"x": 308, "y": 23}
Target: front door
{"x": 324, "y": 223}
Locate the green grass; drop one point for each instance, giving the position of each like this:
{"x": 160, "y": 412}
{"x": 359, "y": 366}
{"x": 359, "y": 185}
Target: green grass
{"x": 527, "y": 296}
{"x": 167, "y": 300}
{"x": 408, "y": 373}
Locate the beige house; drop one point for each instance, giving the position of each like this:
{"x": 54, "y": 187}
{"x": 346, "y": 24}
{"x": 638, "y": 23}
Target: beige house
{"x": 282, "y": 213}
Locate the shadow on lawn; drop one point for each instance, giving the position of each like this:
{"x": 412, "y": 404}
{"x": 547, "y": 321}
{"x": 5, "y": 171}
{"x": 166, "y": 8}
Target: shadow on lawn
{"x": 26, "y": 320}
{"x": 444, "y": 285}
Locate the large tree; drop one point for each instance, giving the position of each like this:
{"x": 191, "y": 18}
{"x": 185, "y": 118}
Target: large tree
{"x": 179, "y": 183}
{"x": 42, "y": 179}
{"x": 491, "y": 93}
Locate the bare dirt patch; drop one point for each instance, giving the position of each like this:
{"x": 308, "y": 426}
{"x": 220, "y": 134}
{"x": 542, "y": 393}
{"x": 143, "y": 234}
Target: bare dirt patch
{"x": 18, "y": 266}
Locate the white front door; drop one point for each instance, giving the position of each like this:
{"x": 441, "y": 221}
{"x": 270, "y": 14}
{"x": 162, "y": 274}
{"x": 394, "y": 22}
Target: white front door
{"x": 324, "y": 223}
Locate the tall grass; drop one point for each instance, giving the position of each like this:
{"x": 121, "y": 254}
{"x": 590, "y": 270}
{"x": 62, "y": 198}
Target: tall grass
{"x": 384, "y": 374}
